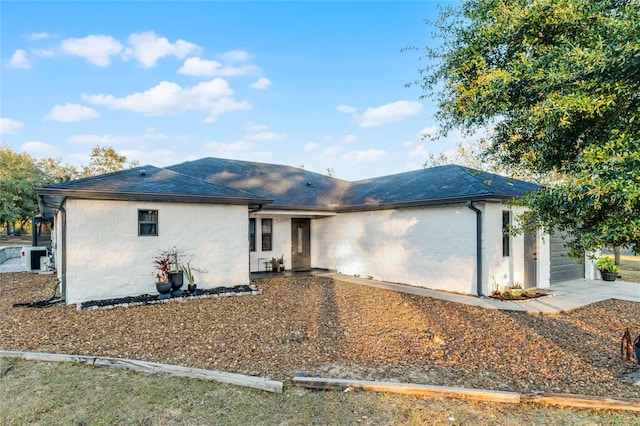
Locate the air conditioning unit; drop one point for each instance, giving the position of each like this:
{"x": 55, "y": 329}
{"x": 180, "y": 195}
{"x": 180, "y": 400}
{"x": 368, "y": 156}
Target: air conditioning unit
{"x": 31, "y": 257}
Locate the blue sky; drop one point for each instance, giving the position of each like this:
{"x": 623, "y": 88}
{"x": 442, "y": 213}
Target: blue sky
{"x": 313, "y": 84}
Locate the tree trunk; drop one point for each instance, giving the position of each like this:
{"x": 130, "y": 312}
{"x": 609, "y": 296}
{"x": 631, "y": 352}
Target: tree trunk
{"x": 616, "y": 255}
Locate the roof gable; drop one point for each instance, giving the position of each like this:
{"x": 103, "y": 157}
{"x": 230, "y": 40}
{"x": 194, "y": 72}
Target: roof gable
{"x": 151, "y": 180}
{"x": 286, "y": 185}
{"x": 449, "y": 182}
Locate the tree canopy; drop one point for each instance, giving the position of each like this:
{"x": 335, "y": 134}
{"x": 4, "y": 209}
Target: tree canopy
{"x": 21, "y": 175}
{"x": 557, "y": 84}
{"x": 19, "y": 178}
{"x": 105, "y": 159}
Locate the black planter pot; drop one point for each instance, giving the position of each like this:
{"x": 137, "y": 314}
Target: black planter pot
{"x": 176, "y": 279}
{"x": 164, "y": 289}
{"x": 192, "y": 288}
{"x": 608, "y": 276}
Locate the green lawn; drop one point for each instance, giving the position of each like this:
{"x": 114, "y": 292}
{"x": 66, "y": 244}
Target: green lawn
{"x": 75, "y": 394}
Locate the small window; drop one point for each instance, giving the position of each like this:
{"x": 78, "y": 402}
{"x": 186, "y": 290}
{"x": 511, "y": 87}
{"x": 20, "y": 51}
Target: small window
{"x": 267, "y": 229}
{"x": 147, "y": 222}
{"x": 506, "y": 233}
{"x": 252, "y": 235}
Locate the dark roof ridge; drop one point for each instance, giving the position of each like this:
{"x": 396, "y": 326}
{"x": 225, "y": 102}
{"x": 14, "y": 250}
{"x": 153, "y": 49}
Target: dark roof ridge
{"x": 246, "y": 193}
{"x": 262, "y": 163}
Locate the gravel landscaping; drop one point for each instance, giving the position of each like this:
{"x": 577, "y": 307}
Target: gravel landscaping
{"x": 334, "y": 329}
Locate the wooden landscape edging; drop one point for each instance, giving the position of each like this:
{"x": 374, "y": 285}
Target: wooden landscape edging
{"x": 153, "y": 368}
{"x": 484, "y": 395}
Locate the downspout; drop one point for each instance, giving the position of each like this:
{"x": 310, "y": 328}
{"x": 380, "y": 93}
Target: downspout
{"x": 478, "y": 247}
{"x": 62, "y": 246}
{"x": 63, "y": 261}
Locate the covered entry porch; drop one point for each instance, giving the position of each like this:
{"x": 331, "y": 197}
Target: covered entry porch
{"x": 281, "y": 235}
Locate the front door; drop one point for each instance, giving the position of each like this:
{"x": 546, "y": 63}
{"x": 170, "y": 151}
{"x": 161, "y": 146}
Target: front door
{"x": 530, "y": 260}
{"x": 300, "y": 244}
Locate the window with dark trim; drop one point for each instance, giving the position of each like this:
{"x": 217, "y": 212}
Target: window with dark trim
{"x": 252, "y": 235}
{"x": 506, "y": 233}
{"x": 147, "y": 222}
{"x": 267, "y": 230}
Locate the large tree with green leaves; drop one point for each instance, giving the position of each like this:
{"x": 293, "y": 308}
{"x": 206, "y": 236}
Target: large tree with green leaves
{"x": 19, "y": 178}
{"x": 557, "y": 82}
{"x": 21, "y": 175}
{"x": 105, "y": 159}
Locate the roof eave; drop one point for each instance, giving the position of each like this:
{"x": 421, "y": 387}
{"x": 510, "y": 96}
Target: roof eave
{"x": 149, "y": 196}
{"x": 426, "y": 203}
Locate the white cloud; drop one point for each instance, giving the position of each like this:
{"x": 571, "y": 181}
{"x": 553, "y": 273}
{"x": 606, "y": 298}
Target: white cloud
{"x": 346, "y": 109}
{"x": 97, "y": 49}
{"x": 311, "y": 146}
{"x": 428, "y": 132}
{"x": 333, "y": 150}
{"x": 348, "y": 138}
{"x": 252, "y": 127}
{"x": 8, "y": 125}
{"x": 147, "y": 48}
{"x": 261, "y": 83}
{"x": 388, "y": 113}
{"x": 227, "y": 150}
{"x": 37, "y": 36}
{"x": 206, "y": 68}
{"x": 213, "y": 97}
{"x": 43, "y": 52}
{"x": 370, "y": 155}
{"x": 115, "y": 139}
{"x": 235, "y": 56}
{"x": 416, "y": 150}
{"x": 69, "y": 113}
{"x": 19, "y": 60}
{"x": 266, "y": 136}
{"x": 39, "y": 149}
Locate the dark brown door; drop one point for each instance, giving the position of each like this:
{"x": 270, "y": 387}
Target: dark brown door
{"x": 300, "y": 244}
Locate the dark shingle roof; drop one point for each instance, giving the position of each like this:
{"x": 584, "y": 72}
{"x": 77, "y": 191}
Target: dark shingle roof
{"x": 450, "y": 182}
{"x": 144, "y": 183}
{"x": 294, "y": 187}
{"x": 286, "y": 185}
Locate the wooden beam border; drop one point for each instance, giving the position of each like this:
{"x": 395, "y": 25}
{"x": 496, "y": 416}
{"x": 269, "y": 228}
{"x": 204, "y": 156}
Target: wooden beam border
{"x": 478, "y": 395}
{"x": 152, "y": 368}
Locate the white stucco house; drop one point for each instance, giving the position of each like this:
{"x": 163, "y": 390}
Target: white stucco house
{"x": 441, "y": 228}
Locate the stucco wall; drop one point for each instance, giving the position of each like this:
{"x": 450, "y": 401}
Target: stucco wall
{"x": 426, "y": 247}
{"x": 105, "y": 257}
{"x": 433, "y": 247}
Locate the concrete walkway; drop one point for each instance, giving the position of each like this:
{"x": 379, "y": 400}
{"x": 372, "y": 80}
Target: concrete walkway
{"x": 12, "y": 265}
{"x": 564, "y": 296}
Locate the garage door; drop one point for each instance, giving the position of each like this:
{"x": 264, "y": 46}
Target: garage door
{"x": 563, "y": 267}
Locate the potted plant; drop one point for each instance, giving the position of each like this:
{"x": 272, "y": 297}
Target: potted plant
{"x": 163, "y": 285}
{"x": 191, "y": 280}
{"x": 281, "y": 264}
{"x": 275, "y": 263}
{"x": 515, "y": 289}
{"x": 608, "y": 270}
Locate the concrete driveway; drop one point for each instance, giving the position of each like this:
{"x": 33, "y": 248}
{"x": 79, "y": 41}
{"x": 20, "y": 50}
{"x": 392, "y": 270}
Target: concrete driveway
{"x": 564, "y": 297}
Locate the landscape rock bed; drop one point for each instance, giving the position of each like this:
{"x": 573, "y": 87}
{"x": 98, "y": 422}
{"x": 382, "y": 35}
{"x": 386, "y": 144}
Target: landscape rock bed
{"x": 151, "y": 299}
{"x": 329, "y": 328}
